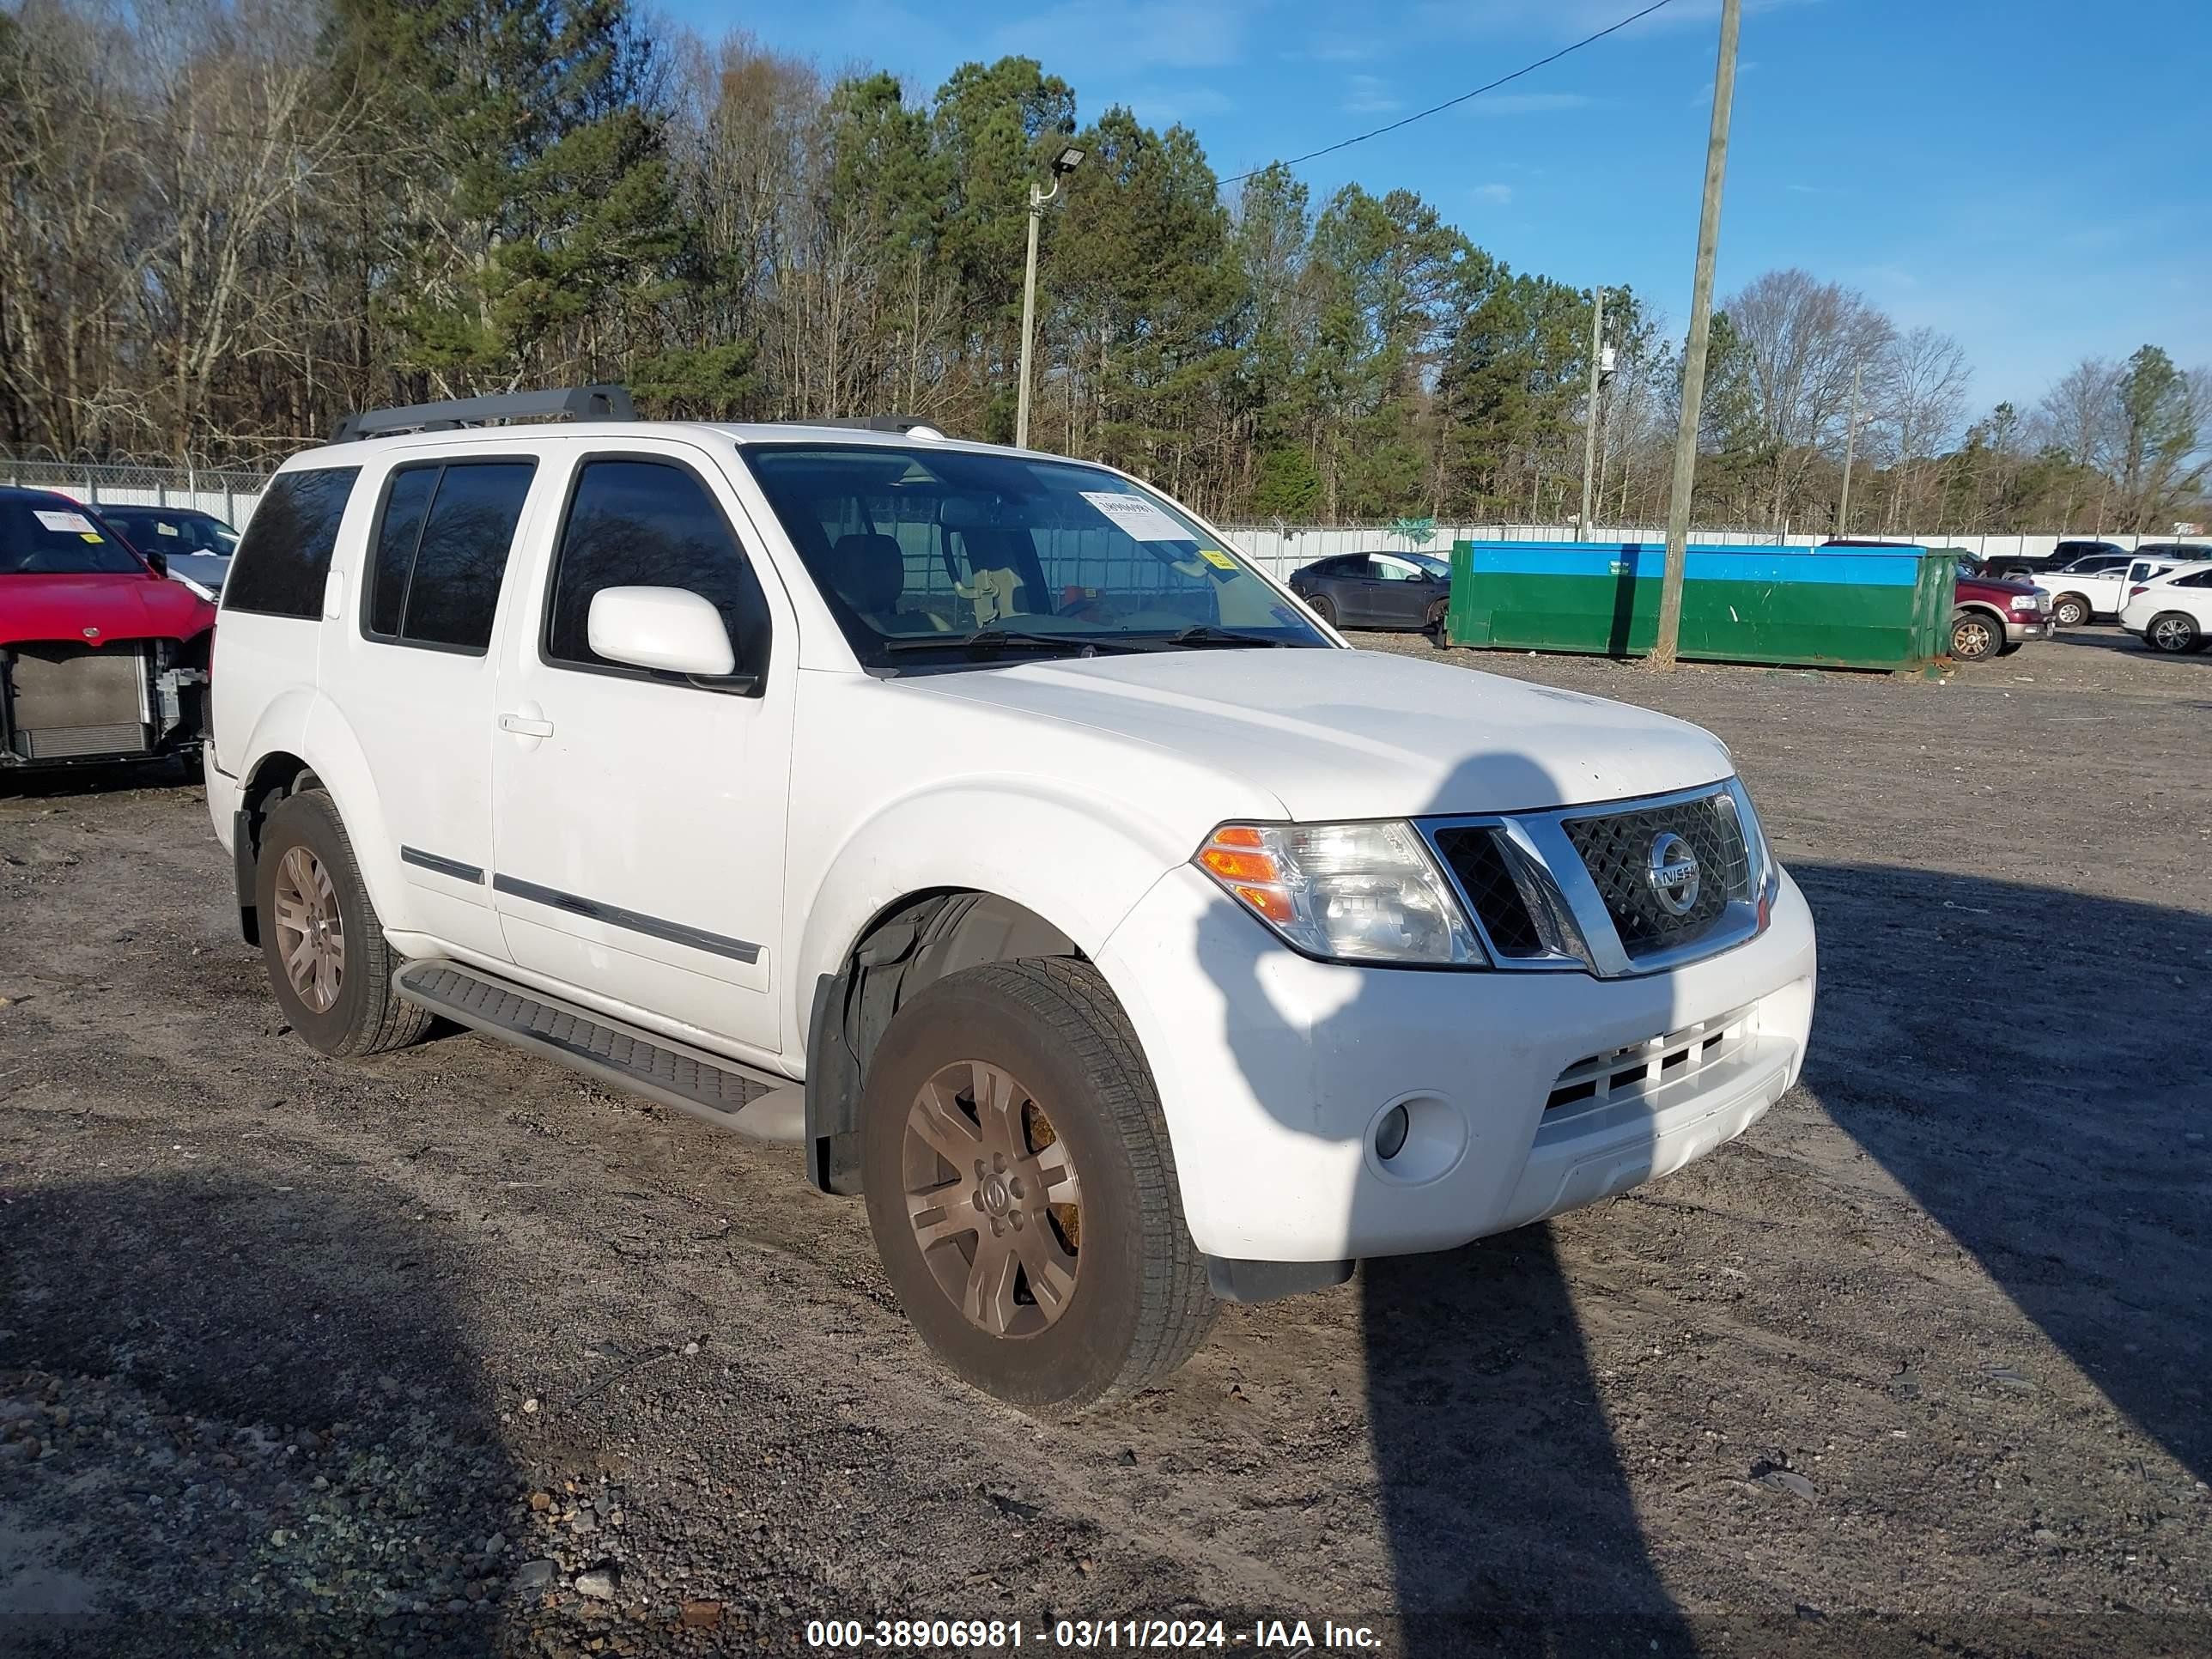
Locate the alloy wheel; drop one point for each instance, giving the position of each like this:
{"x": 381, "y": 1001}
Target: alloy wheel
{"x": 2171, "y": 633}
{"x": 1971, "y": 640}
{"x": 993, "y": 1198}
{"x": 310, "y": 929}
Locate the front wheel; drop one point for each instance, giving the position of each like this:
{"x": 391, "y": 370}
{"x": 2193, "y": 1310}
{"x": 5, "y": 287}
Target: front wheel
{"x": 1320, "y": 607}
{"x": 1975, "y": 637}
{"x": 1022, "y": 1189}
{"x": 1433, "y": 624}
{"x": 2172, "y": 633}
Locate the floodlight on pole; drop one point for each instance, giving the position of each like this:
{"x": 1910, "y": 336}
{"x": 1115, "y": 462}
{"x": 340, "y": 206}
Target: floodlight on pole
{"x": 1069, "y": 159}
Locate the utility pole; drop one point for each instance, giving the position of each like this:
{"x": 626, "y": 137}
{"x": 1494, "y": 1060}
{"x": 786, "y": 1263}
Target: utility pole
{"x": 1038, "y": 198}
{"x": 1589, "y": 419}
{"x": 1850, "y": 453}
{"x": 1065, "y": 162}
{"x": 1693, "y": 360}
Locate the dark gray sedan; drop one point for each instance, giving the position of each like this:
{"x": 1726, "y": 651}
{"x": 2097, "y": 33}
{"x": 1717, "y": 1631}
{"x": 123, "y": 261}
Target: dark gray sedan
{"x": 1378, "y": 590}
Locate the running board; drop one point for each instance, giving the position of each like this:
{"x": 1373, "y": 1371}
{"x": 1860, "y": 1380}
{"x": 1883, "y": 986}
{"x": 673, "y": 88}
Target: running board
{"x": 757, "y": 1104}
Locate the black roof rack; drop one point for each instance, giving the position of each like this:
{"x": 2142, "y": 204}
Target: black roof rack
{"x": 585, "y": 403}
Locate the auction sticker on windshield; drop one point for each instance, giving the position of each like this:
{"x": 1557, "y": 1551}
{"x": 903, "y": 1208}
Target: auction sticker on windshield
{"x": 67, "y": 522}
{"x": 1136, "y": 517}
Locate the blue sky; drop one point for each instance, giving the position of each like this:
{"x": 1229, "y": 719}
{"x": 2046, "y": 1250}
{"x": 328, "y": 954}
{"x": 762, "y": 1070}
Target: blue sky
{"x": 2034, "y": 177}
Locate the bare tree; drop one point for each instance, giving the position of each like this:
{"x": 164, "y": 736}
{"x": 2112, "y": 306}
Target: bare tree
{"x": 1804, "y": 337}
{"x": 1924, "y": 378}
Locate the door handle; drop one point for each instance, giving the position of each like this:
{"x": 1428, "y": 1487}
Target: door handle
{"x": 522, "y": 726}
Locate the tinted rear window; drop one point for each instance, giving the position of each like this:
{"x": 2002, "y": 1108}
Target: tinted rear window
{"x": 285, "y": 553}
{"x": 437, "y": 573}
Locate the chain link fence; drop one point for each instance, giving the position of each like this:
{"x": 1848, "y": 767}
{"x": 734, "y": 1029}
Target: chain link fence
{"x": 229, "y": 493}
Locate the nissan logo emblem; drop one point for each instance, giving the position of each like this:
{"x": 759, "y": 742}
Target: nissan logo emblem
{"x": 1672, "y": 870}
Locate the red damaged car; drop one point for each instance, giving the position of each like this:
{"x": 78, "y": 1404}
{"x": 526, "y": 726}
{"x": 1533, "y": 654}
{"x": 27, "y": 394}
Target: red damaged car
{"x": 102, "y": 657}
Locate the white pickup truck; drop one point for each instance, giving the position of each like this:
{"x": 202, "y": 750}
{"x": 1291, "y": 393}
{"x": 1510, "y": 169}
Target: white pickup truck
{"x": 982, "y": 821}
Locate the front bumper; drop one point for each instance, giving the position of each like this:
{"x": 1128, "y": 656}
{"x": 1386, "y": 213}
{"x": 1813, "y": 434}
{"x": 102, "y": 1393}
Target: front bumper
{"x": 1273, "y": 1071}
{"x": 2031, "y": 628}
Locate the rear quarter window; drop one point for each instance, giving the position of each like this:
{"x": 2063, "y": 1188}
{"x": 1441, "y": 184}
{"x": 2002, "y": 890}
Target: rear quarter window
{"x": 285, "y": 554}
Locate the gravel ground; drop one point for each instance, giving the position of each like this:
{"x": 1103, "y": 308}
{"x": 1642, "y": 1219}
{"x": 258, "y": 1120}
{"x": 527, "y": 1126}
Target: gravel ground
{"x": 452, "y": 1352}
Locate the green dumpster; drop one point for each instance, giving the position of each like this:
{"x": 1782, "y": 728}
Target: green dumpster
{"x": 1845, "y": 607}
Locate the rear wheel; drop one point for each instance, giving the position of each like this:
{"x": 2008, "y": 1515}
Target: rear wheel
{"x": 324, "y": 949}
{"x": 1975, "y": 635}
{"x": 1022, "y": 1189}
{"x": 2172, "y": 633}
{"x": 2070, "y": 609}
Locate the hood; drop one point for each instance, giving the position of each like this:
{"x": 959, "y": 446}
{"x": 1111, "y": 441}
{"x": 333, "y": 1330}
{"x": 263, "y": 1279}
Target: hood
{"x": 122, "y": 606}
{"x": 1999, "y": 583}
{"x": 1360, "y": 734}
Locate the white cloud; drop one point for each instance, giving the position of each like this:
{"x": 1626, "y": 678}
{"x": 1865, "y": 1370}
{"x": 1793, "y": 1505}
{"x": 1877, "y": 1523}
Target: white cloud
{"x": 1494, "y": 195}
{"x": 1166, "y": 107}
{"x": 1497, "y": 105}
{"x": 1369, "y": 94}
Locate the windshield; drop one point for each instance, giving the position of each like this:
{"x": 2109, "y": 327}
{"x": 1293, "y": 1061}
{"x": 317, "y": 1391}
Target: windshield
{"x": 930, "y": 557}
{"x": 1428, "y": 562}
{"x": 51, "y": 536}
{"x": 151, "y": 530}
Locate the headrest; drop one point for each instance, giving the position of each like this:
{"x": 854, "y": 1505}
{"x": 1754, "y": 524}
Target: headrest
{"x": 868, "y": 572}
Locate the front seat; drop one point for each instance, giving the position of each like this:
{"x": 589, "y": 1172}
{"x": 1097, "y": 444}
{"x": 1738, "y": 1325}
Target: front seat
{"x": 868, "y": 573}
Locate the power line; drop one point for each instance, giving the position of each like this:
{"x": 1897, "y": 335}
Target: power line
{"x": 1449, "y": 103}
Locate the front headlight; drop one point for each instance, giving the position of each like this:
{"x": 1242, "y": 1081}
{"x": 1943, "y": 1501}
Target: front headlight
{"x": 1355, "y": 892}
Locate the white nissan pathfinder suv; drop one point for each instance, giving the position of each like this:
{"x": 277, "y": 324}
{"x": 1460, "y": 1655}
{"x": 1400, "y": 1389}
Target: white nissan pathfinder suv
{"x": 982, "y": 820}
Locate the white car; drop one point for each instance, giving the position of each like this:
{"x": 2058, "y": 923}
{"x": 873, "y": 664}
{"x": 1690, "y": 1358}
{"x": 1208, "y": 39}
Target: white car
{"x": 982, "y": 820}
{"x": 2172, "y": 612}
{"x": 2079, "y": 596}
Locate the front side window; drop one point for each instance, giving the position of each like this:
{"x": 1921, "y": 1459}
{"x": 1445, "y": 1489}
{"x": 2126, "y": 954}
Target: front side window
{"x": 440, "y": 549}
{"x": 638, "y": 523}
{"x": 933, "y": 558}
{"x": 51, "y": 536}
{"x": 285, "y": 553}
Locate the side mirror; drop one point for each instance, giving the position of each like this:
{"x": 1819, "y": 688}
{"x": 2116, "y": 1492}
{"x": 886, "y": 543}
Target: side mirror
{"x": 670, "y": 628}
{"x": 157, "y": 562}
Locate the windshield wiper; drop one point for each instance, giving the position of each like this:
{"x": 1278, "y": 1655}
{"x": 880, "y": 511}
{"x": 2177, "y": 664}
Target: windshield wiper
{"x": 997, "y": 637}
{"x": 1207, "y": 633}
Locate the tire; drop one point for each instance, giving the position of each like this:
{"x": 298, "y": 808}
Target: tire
{"x": 2070, "y": 610}
{"x": 305, "y": 852}
{"x": 1321, "y": 607}
{"x": 2173, "y": 632}
{"x": 1433, "y": 624}
{"x": 1135, "y": 1303}
{"x": 1975, "y": 637}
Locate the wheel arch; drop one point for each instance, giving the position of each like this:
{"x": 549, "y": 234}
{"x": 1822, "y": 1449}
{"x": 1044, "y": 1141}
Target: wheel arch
{"x": 905, "y": 946}
{"x": 1964, "y": 608}
{"x": 298, "y": 741}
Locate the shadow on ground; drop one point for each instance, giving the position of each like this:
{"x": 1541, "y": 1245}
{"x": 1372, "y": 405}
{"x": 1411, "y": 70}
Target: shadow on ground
{"x": 239, "y": 1418}
{"x": 2029, "y": 1064}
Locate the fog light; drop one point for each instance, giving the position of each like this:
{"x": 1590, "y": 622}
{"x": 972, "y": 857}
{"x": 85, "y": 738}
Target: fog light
{"x": 1390, "y": 1134}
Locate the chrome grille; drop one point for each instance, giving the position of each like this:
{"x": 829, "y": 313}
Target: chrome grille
{"x": 1571, "y": 890}
{"x": 1616, "y": 849}
{"x": 1473, "y": 855}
